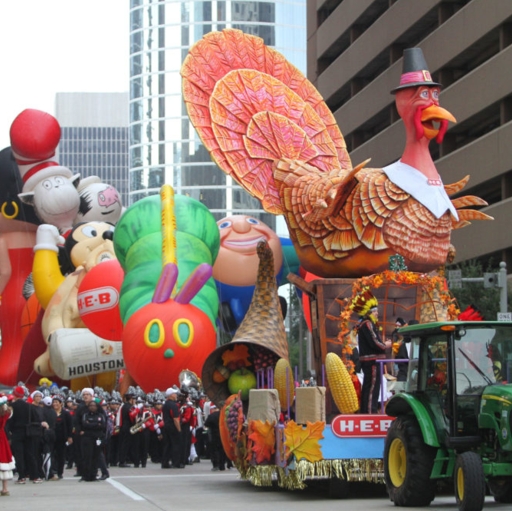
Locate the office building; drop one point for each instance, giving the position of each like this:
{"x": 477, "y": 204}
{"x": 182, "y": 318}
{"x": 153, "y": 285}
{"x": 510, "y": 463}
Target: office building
{"x": 164, "y": 147}
{"x": 355, "y": 58}
{"x": 94, "y": 139}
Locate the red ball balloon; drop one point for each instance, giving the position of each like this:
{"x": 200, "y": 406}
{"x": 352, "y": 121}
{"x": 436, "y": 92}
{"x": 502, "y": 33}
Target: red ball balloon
{"x": 34, "y": 135}
{"x": 98, "y": 300}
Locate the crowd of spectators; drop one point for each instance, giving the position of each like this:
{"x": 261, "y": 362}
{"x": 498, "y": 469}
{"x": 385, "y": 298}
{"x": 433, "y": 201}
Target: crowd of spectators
{"x": 51, "y": 429}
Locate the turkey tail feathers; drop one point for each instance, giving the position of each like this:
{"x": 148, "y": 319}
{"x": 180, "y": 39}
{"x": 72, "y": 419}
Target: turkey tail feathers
{"x": 471, "y": 214}
{"x": 251, "y": 107}
{"x": 465, "y": 215}
{"x": 453, "y": 188}
{"x": 460, "y": 224}
{"x": 468, "y": 200}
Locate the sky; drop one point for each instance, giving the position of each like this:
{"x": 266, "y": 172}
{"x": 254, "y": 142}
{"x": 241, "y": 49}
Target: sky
{"x": 50, "y": 46}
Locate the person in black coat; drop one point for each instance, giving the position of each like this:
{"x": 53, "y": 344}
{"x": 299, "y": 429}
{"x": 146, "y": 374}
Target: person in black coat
{"x": 87, "y": 397}
{"x": 171, "y": 431}
{"x": 93, "y": 433}
{"x": 35, "y": 443}
{"x": 127, "y": 415}
{"x": 21, "y": 446}
{"x": 70, "y": 407}
{"x": 48, "y": 443}
{"x": 217, "y": 454}
{"x": 63, "y": 437}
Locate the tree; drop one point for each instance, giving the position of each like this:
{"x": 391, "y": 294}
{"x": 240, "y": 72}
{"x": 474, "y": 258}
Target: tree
{"x": 486, "y": 300}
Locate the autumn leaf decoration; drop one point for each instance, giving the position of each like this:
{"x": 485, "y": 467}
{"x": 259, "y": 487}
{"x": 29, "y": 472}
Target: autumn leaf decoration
{"x": 236, "y": 357}
{"x": 263, "y": 438}
{"x": 303, "y": 442}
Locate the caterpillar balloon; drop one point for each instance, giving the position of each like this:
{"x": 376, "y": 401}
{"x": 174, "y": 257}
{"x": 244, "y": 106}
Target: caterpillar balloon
{"x": 168, "y": 303}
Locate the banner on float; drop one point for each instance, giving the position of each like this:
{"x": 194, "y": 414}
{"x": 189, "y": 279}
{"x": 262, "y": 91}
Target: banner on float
{"x": 76, "y": 352}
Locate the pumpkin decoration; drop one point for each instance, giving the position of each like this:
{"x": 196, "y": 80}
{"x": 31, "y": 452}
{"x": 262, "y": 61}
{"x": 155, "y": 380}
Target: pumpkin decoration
{"x": 220, "y": 374}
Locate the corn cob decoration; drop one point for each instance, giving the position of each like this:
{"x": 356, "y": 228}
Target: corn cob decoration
{"x": 340, "y": 384}
{"x": 286, "y": 395}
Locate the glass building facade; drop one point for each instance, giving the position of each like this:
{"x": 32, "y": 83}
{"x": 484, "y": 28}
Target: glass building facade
{"x": 164, "y": 147}
{"x": 94, "y": 136}
{"x": 101, "y": 152}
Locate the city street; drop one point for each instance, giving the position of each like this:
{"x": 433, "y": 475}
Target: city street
{"x": 195, "y": 488}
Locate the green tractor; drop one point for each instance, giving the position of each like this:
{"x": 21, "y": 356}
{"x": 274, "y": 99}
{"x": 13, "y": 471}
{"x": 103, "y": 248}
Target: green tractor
{"x": 454, "y": 418}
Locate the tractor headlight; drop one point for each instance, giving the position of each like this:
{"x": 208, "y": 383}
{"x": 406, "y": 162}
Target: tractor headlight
{"x": 461, "y": 332}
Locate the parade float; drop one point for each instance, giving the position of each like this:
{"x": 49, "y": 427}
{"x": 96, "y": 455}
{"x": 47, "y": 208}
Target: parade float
{"x": 356, "y": 230}
{"x": 276, "y": 431}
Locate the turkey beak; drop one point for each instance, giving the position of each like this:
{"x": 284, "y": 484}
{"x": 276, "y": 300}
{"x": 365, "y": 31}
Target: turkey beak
{"x": 435, "y": 114}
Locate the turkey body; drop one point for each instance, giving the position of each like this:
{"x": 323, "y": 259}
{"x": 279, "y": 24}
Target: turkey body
{"x": 377, "y": 220}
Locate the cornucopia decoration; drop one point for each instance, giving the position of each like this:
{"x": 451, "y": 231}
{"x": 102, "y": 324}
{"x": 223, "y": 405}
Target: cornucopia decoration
{"x": 258, "y": 344}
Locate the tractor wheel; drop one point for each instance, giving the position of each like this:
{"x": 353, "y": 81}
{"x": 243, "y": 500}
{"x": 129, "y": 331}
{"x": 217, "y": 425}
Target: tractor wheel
{"x": 469, "y": 482}
{"x": 501, "y": 489}
{"x": 408, "y": 462}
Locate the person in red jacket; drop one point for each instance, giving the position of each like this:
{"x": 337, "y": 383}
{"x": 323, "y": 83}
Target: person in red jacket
{"x": 147, "y": 422}
{"x": 6, "y": 459}
{"x": 188, "y": 422}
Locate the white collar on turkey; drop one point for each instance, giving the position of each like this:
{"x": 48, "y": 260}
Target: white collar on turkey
{"x": 412, "y": 181}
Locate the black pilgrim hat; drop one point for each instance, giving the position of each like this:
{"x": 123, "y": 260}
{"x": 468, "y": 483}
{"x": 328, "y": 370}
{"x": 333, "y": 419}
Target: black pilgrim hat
{"x": 414, "y": 71}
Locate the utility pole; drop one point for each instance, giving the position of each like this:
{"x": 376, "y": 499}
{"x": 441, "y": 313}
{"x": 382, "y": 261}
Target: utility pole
{"x": 498, "y": 279}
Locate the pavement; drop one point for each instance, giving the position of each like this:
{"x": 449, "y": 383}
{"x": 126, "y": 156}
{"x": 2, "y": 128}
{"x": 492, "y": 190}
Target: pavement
{"x": 195, "y": 488}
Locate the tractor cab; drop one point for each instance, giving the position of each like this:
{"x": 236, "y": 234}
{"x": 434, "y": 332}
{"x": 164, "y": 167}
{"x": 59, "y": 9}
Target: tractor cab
{"x": 450, "y": 366}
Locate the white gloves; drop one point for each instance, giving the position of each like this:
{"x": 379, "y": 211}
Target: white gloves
{"x": 48, "y": 238}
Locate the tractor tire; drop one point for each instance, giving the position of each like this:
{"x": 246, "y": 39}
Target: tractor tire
{"x": 408, "y": 463}
{"x": 469, "y": 481}
{"x": 501, "y": 489}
